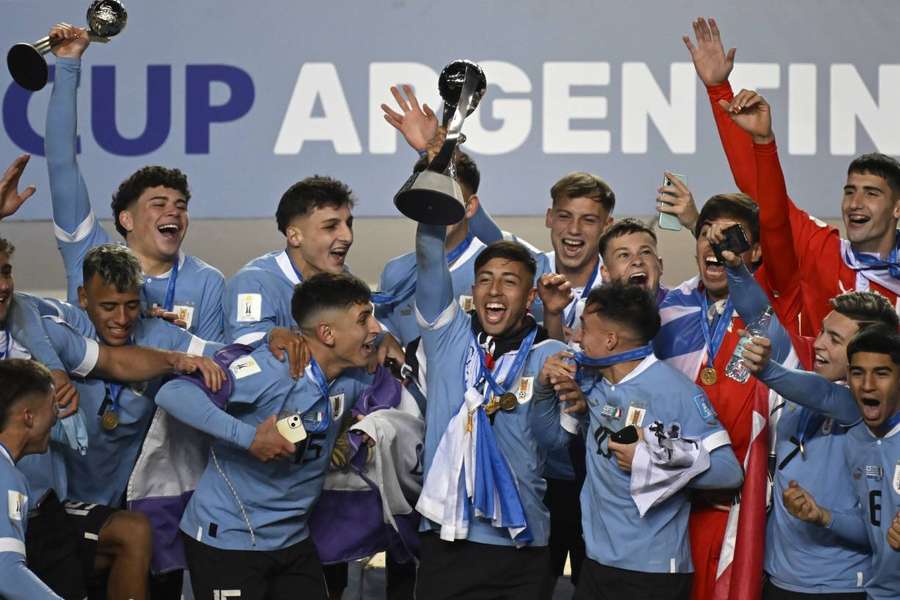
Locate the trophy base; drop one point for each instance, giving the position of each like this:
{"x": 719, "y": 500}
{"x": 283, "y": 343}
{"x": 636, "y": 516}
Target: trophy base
{"x": 431, "y": 198}
{"x": 27, "y": 67}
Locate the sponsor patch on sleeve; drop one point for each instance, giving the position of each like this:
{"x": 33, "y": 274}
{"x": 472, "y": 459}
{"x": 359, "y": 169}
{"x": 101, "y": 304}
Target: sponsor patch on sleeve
{"x": 249, "y": 308}
{"x": 244, "y": 367}
{"x": 18, "y": 504}
{"x": 704, "y": 407}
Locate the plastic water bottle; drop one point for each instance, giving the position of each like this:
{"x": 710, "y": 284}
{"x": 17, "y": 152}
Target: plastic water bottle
{"x": 736, "y": 369}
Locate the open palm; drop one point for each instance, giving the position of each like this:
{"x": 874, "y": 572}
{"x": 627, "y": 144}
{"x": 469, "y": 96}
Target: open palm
{"x": 417, "y": 124}
{"x": 10, "y": 198}
{"x": 713, "y": 65}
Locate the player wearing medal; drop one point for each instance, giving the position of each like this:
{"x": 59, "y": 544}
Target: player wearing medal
{"x": 150, "y": 210}
{"x": 870, "y": 455}
{"x": 635, "y": 499}
{"x": 117, "y": 415}
{"x": 480, "y": 399}
{"x": 698, "y": 335}
{"x": 815, "y": 257}
{"x": 802, "y": 560}
{"x": 246, "y": 526}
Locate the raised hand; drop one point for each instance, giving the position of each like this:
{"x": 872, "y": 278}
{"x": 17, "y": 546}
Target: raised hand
{"x": 557, "y": 368}
{"x": 555, "y": 292}
{"x": 715, "y": 236}
{"x": 10, "y": 198}
{"x": 66, "y": 394}
{"x": 418, "y": 125}
{"x": 712, "y": 63}
{"x": 676, "y": 199}
{"x": 213, "y": 376}
{"x": 752, "y": 113}
{"x": 757, "y": 353}
{"x": 68, "y": 41}
{"x": 283, "y": 341}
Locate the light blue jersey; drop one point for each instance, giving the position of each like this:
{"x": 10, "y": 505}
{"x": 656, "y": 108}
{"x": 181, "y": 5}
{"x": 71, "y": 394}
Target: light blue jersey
{"x": 258, "y": 298}
{"x": 615, "y": 534}
{"x": 197, "y": 296}
{"x": 399, "y": 279}
{"x": 802, "y": 557}
{"x": 243, "y": 504}
{"x": 101, "y": 475}
{"x": 874, "y": 466}
{"x": 17, "y": 582}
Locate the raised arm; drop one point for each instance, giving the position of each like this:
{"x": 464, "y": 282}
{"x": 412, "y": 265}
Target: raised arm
{"x": 812, "y": 391}
{"x": 434, "y": 288}
{"x": 188, "y": 403}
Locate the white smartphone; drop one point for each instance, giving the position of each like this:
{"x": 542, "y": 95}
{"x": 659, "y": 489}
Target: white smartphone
{"x": 667, "y": 221}
{"x": 291, "y": 428}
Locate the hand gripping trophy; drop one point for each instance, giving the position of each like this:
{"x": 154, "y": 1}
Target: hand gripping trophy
{"x": 433, "y": 196}
{"x": 105, "y": 18}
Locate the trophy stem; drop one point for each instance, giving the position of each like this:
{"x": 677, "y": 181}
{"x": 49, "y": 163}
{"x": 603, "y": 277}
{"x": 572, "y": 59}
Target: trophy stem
{"x": 43, "y": 45}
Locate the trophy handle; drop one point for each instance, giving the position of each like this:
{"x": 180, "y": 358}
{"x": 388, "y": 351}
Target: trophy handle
{"x": 454, "y": 129}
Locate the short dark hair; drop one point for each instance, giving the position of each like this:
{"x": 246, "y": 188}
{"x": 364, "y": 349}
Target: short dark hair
{"x": 882, "y": 165}
{"x": 624, "y": 227}
{"x": 325, "y": 291}
{"x": 584, "y": 185}
{"x": 467, "y": 172}
{"x": 147, "y": 177}
{"x": 628, "y": 305}
{"x": 509, "y": 250}
{"x": 6, "y": 247}
{"x": 739, "y": 207}
{"x": 877, "y": 339}
{"x": 20, "y": 378}
{"x": 115, "y": 264}
{"x": 866, "y": 308}
{"x": 309, "y": 194}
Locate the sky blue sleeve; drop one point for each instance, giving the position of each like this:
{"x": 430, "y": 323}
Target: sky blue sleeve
{"x": 543, "y": 418}
{"x": 78, "y": 354}
{"x": 812, "y": 391}
{"x": 17, "y": 582}
{"x": 482, "y": 226}
{"x": 851, "y": 526}
{"x": 749, "y": 299}
{"x": 724, "y": 472}
{"x": 211, "y": 323}
{"x": 244, "y": 329}
{"x": 189, "y": 404}
{"x": 24, "y": 323}
{"x": 76, "y": 228}
{"x": 434, "y": 291}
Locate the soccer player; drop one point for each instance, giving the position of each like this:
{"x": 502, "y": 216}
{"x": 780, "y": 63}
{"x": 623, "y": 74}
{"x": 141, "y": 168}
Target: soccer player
{"x": 246, "y": 526}
{"x": 150, "y": 210}
{"x": 870, "y": 457}
{"x": 817, "y": 260}
{"x": 489, "y": 360}
{"x": 27, "y": 413}
{"x": 636, "y": 541}
{"x": 698, "y": 335}
{"x": 800, "y": 559}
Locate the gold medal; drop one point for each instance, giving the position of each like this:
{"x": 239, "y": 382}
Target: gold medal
{"x": 491, "y": 407}
{"x": 508, "y": 402}
{"x": 708, "y": 376}
{"x": 110, "y": 420}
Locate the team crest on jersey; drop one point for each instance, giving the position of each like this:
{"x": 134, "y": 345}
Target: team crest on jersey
{"x": 185, "y": 313}
{"x": 337, "y": 405}
{"x": 466, "y": 303}
{"x": 245, "y": 366}
{"x": 525, "y": 389}
{"x": 635, "y": 416}
{"x": 249, "y": 308}
{"x": 17, "y": 502}
{"x": 896, "y": 480}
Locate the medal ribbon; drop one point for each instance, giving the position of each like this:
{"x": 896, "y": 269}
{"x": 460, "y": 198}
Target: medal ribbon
{"x": 583, "y": 360}
{"x": 322, "y": 383}
{"x": 873, "y": 263}
{"x": 514, "y": 371}
{"x": 570, "y": 317}
{"x": 808, "y": 425}
{"x": 6, "y": 349}
{"x": 714, "y": 339}
{"x": 113, "y": 390}
{"x": 169, "y": 302}
{"x": 890, "y": 423}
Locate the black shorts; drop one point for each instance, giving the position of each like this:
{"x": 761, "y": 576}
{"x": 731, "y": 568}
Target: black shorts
{"x": 467, "y": 570}
{"x": 599, "y": 582}
{"x": 562, "y": 499}
{"x": 773, "y": 592}
{"x": 61, "y": 543}
{"x": 286, "y": 574}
